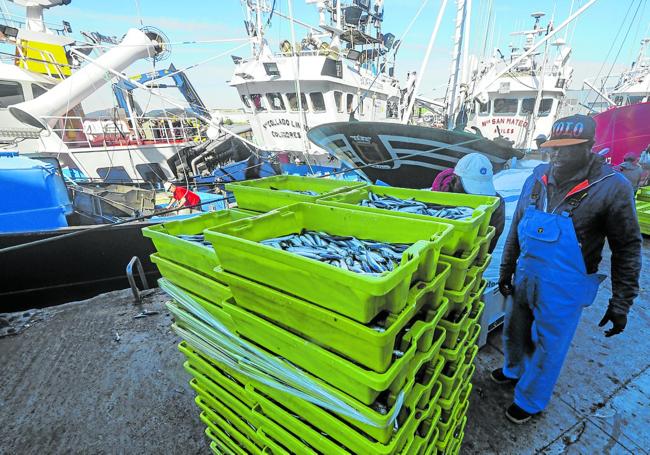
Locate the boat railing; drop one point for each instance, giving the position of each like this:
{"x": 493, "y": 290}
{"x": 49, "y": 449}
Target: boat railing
{"x": 20, "y": 22}
{"x": 101, "y": 132}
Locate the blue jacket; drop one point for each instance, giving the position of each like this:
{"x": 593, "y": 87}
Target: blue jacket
{"x": 606, "y": 210}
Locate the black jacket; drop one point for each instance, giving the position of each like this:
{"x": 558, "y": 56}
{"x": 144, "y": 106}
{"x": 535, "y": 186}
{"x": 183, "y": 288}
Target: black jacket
{"x": 606, "y": 211}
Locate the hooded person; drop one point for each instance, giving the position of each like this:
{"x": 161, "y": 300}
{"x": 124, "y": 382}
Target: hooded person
{"x": 631, "y": 170}
{"x": 566, "y": 210}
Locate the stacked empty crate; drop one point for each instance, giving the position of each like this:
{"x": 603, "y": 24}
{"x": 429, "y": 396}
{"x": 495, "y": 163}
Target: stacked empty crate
{"x": 385, "y": 372}
{"x": 643, "y": 209}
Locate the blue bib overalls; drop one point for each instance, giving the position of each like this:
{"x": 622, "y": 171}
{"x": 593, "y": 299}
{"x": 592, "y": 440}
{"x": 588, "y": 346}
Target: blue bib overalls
{"x": 551, "y": 287}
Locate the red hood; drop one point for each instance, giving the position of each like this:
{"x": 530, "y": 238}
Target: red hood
{"x": 622, "y": 130}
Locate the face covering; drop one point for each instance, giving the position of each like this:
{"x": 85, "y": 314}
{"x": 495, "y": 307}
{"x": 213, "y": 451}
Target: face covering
{"x": 567, "y": 161}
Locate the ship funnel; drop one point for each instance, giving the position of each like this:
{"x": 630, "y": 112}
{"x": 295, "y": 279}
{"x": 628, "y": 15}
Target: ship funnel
{"x": 71, "y": 91}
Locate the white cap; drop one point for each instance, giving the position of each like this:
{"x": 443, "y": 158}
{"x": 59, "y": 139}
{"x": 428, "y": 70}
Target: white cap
{"x": 168, "y": 186}
{"x": 475, "y": 172}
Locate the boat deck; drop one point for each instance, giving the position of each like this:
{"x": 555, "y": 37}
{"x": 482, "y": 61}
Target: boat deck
{"x": 90, "y": 377}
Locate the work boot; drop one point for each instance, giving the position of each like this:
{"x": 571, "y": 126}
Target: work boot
{"x": 517, "y": 415}
{"x": 500, "y": 378}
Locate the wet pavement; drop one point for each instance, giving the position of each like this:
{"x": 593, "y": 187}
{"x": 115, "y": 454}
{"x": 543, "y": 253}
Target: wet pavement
{"x": 91, "y": 377}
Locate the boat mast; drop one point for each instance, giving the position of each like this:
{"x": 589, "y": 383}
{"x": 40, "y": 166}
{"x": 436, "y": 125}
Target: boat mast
{"x": 454, "y": 82}
{"x": 423, "y": 67}
{"x": 484, "y": 85}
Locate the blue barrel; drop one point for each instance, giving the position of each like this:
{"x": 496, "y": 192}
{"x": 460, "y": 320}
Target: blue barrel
{"x": 33, "y": 195}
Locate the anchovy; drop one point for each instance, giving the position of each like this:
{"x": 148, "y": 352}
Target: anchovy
{"x": 348, "y": 253}
{"x": 412, "y": 206}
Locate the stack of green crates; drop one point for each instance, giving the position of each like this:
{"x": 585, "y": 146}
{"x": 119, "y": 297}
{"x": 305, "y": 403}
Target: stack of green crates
{"x": 372, "y": 342}
{"x": 643, "y": 209}
{"x": 397, "y": 348}
{"x": 465, "y": 254}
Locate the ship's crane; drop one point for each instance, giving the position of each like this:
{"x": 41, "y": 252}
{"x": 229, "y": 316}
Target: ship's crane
{"x": 124, "y": 90}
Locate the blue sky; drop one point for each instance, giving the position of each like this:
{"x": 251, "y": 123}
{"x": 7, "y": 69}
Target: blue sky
{"x": 190, "y": 20}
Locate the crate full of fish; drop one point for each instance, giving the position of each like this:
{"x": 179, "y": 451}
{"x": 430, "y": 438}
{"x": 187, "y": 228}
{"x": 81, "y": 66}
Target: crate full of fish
{"x": 263, "y": 195}
{"x": 372, "y": 346}
{"x": 182, "y": 241}
{"x": 469, "y": 214}
{"x": 354, "y": 263}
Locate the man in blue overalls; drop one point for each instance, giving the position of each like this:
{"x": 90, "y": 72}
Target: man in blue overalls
{"x": 550, "y": 261}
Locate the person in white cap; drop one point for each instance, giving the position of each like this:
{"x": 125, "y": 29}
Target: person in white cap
{"x": 473, "y": 174}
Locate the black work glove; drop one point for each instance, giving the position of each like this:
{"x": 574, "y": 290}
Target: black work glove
{"x": 618, "y": 320}
{"x": 505, "y": 285}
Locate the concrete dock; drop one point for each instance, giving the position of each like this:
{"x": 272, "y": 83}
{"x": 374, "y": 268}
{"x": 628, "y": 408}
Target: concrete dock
{"x": 102, "y": 376}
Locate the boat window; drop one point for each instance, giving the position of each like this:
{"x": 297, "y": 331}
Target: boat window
{"x": 10, "y": 93}
{"x": 634, "y": 99}
{"x": 151, "y": 172}
{"x": 317, "y": 101}
{"x": 392, "y": 108}
{"x": 257, "y": 102}
{"x": 37, "y": 90}
{"x": 505, "y": 105}
{"x": 293, "y": 101}
{"x": 527, "y": 106}
{"x": 338, "y": 99}
{"x": 275, "y": 101}
{"x": 483, "y": 108}
{"x": 246, "y": 102}
{"x": 545, "y": 107}
{"x": 114, "y": 174}
{"x": 350, "y": 103}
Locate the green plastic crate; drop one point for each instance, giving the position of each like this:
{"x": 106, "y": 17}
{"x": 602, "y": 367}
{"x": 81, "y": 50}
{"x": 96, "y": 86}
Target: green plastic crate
{"x": 284, "y": 409}
{"x": 476, "y": 273}
{"x": 643, "y": 194}
{"x": 358, "y": 382}
{"x": 449, "y": 420}
{"x": 453, "y": 355}
{"x": 484, "y": 244}
{"x": 240, "y": 434}
{"x": 458, "y": 299}
{"x": 453, "y": 329}
{"x": 427, "y": 432}
{"x": 448, "y": 404}
{"x": 360, "y": 343}
{"x": 217, "y": 445}
{"x": 203, "y": 286}
{"x": 459, "y": 268}
{"x": 265, "y": 433}
{"x": 464, "y": 235}
{"x": 358, "y": 296}
{"x": 258, "y": 195}
{"x": 228, "y": 435}
{"x": 184, "y": 252}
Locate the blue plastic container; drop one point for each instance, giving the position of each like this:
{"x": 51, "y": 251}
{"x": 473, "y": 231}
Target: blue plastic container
{"x": 34, "y": 195}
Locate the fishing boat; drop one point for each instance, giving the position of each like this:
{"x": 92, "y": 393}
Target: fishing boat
{"x": 518, "y": 96}
{"x": 343, "y": 67}
{"x": 120, "y": 144}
